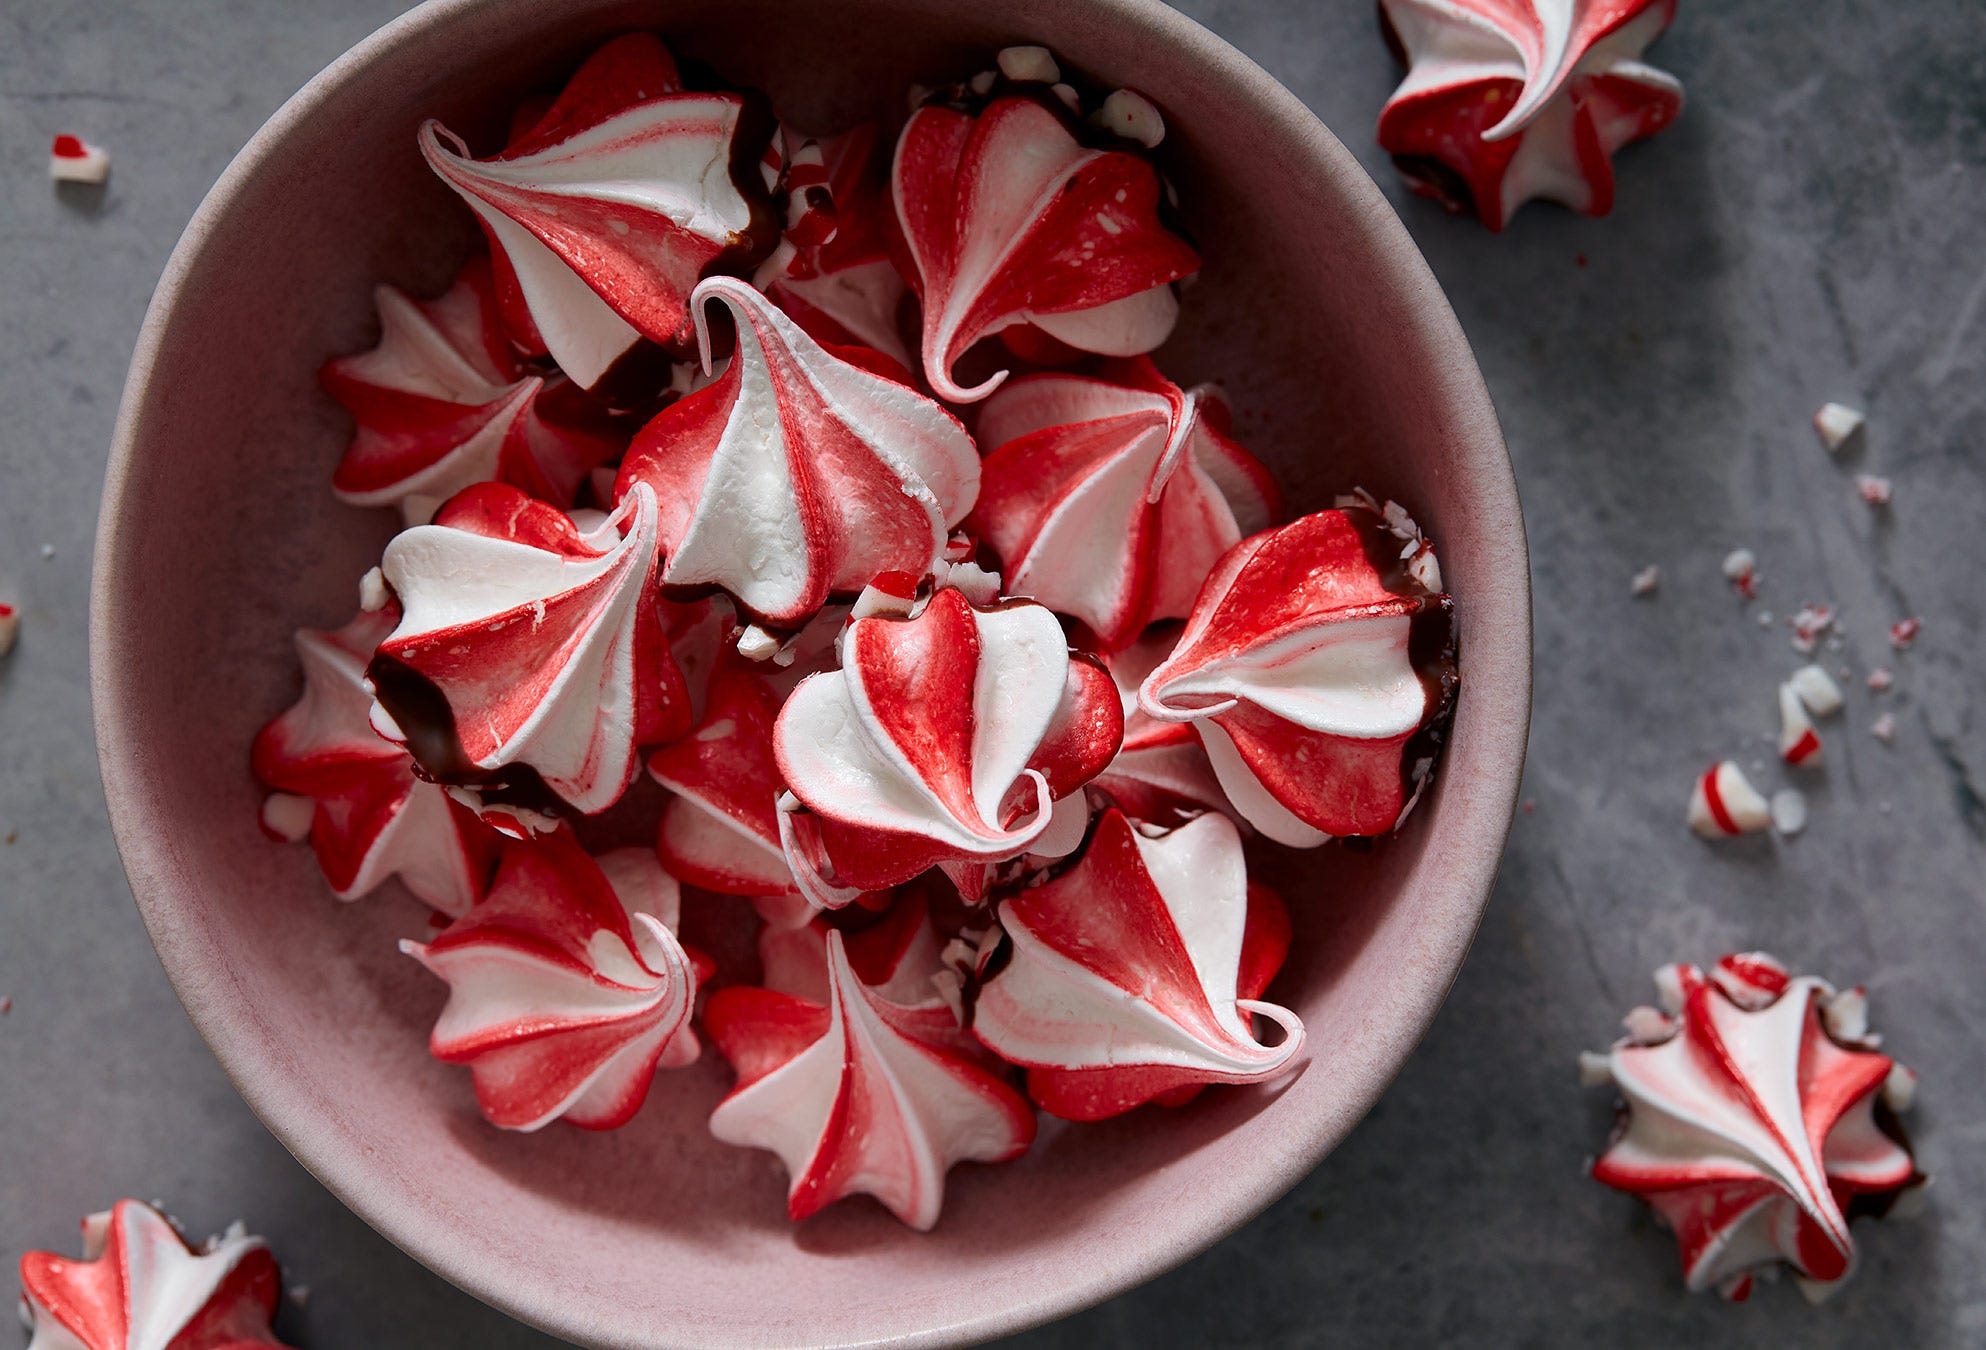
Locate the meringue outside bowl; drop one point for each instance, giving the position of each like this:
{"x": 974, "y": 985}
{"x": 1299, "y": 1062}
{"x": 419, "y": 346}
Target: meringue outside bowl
{"x": 219, "y": 536}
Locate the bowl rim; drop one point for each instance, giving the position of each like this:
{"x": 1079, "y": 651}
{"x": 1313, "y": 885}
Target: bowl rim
{"x": 1484, "y": 822}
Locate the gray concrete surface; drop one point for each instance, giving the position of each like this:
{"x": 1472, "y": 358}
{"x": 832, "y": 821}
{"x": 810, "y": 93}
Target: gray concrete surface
{"x": 1814, "y": 227}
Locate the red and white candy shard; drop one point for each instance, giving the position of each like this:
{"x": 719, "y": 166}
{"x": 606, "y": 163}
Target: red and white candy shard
{"x": 845, "y": 290}
{"x": 1161, "y": 774}
{"x": 354, "y": 794}
{"x": 1799, "y": 743}
{"x": 1311, "y": 664}
{"x": 442, "y": 402}
{"x": 1006, "y": 219}
{"x": 855, "y": 1097}
{"x": 1752, "y": 1129}
{"x": 1507, "y": 100}
{"x": 720, "y": 830}
{"x": 71, "y": 159}
{"x": 606, "y": 213}
{"x": 799, "y": 472}
{"x": 566, "y": 986}
{"x": 944, "y": 738}
{"x": 1109, "y": 498}
{"x": 546, "y": 642}
{"x": 140, "y": 1286}
{"x": 1724, "y": 803}
{"x": 1134, "y": 975}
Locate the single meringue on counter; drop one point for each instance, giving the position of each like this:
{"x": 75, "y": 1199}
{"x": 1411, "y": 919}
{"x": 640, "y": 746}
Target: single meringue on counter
{"x": 530, "y": 655}
{"x": 366, "y": 814}
{"x": 720, "y": 829}
{"x": 944, "y": 738}
{"x": 1319, "y": 670}
{"x": 1134, "y": 975}
{"x": 567, "y": 986}
{"x": 1161, "y": 775}
{"x": 1757, "y": 1120}
{"x": 844, "y": 290}
{"x": 141, "y": 1286}
{"x": 1110, "y": 497}
{"x": 799, "y": 472}
{"x": 1007, "y": 219}
{"x": 605, "y": 213}
{"x": 1507, "y": 100}
{"x": 854, "y": 1096}
{"x": 442, "y": 402}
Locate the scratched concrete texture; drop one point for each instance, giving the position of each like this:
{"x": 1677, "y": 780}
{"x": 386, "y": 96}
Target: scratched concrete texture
{"x": 1813, "y": 228}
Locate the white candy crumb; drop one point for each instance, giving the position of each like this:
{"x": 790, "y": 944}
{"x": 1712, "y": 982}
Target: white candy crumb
{"x": 1646, "y": 580}
{"x": 47, "y": 552}
{"x": 373, "y": 594}
{"x": 10, "y": 628}
{"x": 1595, "y": 1069}
{"x": 1900, "y": 1088}
{"x": 1879, "y": 679}
{"x": 755, "y": 644}
{"x": 1875, "y": 491}
{"x": 287, "y": 816}
{"x": 982, "y": 83}
{"x": 1884, "y": 728}
{"x": 1133, "y": 116}
{"x": 1648, "y": 1026}
{"x": 1070, "y": 98}
{"x": 1810, "y": 625}
{"x": 1846, "y": 1016}
{"x": 1789, "y": 811}
{"x": 1765, "y": 618}
{"x": 1838, "y": 426}
{"x": 1669, "y": 990}
{"x": 1817, "y": 690}
{"x": 1741, "y": 568}
{"x": 1029, "y": 65}
{"x": 71, "y": 159}
{"x": 977, "y": 584}
{"x": 299, "y": 1294}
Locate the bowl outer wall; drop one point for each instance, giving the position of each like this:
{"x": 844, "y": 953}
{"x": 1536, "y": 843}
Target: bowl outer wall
{"x": 656, "y": 1236}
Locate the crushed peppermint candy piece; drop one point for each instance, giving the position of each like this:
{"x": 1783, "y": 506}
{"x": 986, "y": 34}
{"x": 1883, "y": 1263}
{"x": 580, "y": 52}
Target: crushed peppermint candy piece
{"x": 1817, "y": 690}
{"x": 756, "y": 644}
{"x": 1646, "y": 580}
{"x": 1875, "y": 491}
{"x": 1029, "y": 65}
{"x": 373, "y": 591}
{"x": 1789, "y": 811}
{"x": 6, "y": 1004}
{"x": 1724, "y": 804}
{"x": 1133, "y": 116}
{"x": 1880, "y": 679}
{"x": 1839, "y": 427}
{"x": 1904, "y": 632}
{"x": 71, "y": 159}
{"x": 10, "y": 627}
{"x": 287, "y": 817}
{"x": 1884, "y": 728}
{"x": 1799, "y": 743}
{"x": 1809, "y": 625}
{"x": 1741, "y": 566}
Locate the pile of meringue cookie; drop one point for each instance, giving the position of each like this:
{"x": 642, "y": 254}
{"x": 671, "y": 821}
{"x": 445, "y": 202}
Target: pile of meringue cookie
{"x": 826, "y": 484}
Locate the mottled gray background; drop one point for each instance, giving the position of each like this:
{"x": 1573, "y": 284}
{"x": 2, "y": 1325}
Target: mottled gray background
{"x": 1814, "y": 227}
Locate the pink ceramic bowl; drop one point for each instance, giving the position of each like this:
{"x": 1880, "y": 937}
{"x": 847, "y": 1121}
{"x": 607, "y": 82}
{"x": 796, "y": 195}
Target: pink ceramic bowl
{"x": 219, "y": 536}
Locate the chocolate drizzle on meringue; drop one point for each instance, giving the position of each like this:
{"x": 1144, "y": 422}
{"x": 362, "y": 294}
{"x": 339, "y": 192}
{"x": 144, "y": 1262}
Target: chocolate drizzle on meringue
{"x": 421, "y": 711}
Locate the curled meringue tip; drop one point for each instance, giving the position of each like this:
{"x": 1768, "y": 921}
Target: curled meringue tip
{"x": 1291, "y": 1045}
{"x": 948, "y": 389}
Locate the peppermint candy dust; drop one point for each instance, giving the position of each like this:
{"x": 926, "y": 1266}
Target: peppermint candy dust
{"x": 795, "y": 519}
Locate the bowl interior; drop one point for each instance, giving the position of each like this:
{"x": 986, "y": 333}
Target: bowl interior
{"x": 220, "y": 536}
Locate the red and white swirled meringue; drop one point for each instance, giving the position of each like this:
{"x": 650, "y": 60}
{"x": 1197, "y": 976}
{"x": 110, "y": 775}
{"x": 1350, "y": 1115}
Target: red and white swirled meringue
{"x": 855, "y": 1097}
{"x": 1110, "y": 497}
{"x": 1007, "y": 219}
{"x": 1750, "y": 1121}
{"x": 368, "y": 817}
{"x": 442, "y": 402}
{"x": 720, "y": 830}
{"x": 140, "y": 1286}
{"x": 566, "y": 986}
{"x": 1317, "y": 667}
{"x": 943, "y": 739}
{"x": 1133, "y": 975}
{"x": 605, "y": 213}
{"x": 1162, "y": 774}
{"x": 799, "y": 472}
{"x": 544, "y": 645}
{"x": 1507, "y": 100}
{"x": 896, "y": 956}
{"x": 844, "y": 289}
